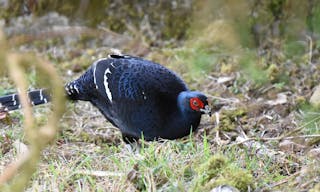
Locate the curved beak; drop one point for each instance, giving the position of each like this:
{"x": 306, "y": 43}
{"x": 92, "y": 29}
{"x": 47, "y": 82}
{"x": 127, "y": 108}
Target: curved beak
{"x": 206, "y": 110}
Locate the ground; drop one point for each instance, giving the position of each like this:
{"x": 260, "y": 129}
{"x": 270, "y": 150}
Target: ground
{"x": 265, "y": 137}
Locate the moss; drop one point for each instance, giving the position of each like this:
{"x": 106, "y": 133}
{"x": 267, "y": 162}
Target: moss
{"x": 78, "y": 63}
{"x": 228, "y": 118}
{"x": 316, "y": 188}
{"x": 273, "y": 72}
{"x": 234, "y": 176}
{"x": 211, "y": 167}
{"x": 300, "y": 101}
{"x": 13, "y": 9}
{"x": 217, "y": 170}
{"x": 226, "y": 68}
{"x": 84, "y": 136}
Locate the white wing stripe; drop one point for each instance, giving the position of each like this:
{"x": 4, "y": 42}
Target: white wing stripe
{"x": 41, "y": 95}
{"x": 106, "y": 85}
{"x": 14, "y": 100}
{"x": 94, "y": 70}
{"x": 76, "y": 88}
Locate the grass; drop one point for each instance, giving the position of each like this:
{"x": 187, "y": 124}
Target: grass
{"x": 165, "y": 166}
{"x": 311, "y": 120}
{"x": 88, "y": 154}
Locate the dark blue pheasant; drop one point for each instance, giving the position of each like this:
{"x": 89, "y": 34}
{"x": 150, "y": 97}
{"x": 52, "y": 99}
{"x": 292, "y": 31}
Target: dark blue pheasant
{"x": 140, "y": 97}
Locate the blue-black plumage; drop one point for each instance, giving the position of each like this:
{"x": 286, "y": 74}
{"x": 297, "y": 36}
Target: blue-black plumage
{"x": 140, "y": 97}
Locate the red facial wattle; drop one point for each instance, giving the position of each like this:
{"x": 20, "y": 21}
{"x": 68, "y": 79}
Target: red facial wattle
{"x": 196, "y": 104}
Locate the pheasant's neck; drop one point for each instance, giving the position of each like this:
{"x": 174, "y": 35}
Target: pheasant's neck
{"x": 183, "y": 120}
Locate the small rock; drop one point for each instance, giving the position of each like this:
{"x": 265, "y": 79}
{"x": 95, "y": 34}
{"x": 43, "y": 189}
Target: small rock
{"x": 314, "y": 153}
{"x": 4, "y": 4}
{"x": 315, "y": 98}
{"x": 221, "y": 80}
{"x": 224, "y": 188}
{"x": 2, "y": 23}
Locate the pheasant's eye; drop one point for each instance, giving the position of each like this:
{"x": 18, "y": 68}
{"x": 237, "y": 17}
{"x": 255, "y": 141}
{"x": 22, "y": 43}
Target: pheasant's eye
{"x": 196, "y": 104}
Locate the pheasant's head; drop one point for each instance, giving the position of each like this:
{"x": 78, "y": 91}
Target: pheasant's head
{"x": 194, "y": 101}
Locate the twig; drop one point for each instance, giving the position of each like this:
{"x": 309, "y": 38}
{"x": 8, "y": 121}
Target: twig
{"x": 310, "y": 48}
{"x": 287, "y": 136}
{"x": 292, "y": 137}
{"x": 11, "y": 169}
{"x": 300, "y": 128}
{"x": 284, "y": 180}
{"x": 229, "y": 100}
{"x": 306, "y": 184}
{"x": 242, "y": 141}
{"x": 275, "y": 138}
{"x": 99, "y": 173}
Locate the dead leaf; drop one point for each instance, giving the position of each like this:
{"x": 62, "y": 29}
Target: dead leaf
{"x": 3, "y": 114}
{"x": 6, "y": 144}
{"x": 281, "y": 99}
{"x": 315, "y": 98}
{"x": 290, "y": 146}
{"x": 133, "y": 174}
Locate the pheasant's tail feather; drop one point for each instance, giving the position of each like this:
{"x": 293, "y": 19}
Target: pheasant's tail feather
{"x": 76, "y": 91}
{"x": 82, "y": 88}
{"x": 36, "y": 97}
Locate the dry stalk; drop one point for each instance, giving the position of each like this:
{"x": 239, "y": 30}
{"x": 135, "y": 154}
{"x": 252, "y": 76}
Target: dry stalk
{"x": 283, "y": 181}
{"x": 99, "y": 173}
{"x": 310, "y": 48}
{"x": 16, "y": 175}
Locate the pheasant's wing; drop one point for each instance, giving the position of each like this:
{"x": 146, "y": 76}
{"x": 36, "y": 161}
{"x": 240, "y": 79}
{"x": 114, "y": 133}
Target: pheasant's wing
{"x": 134, "y": 79}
